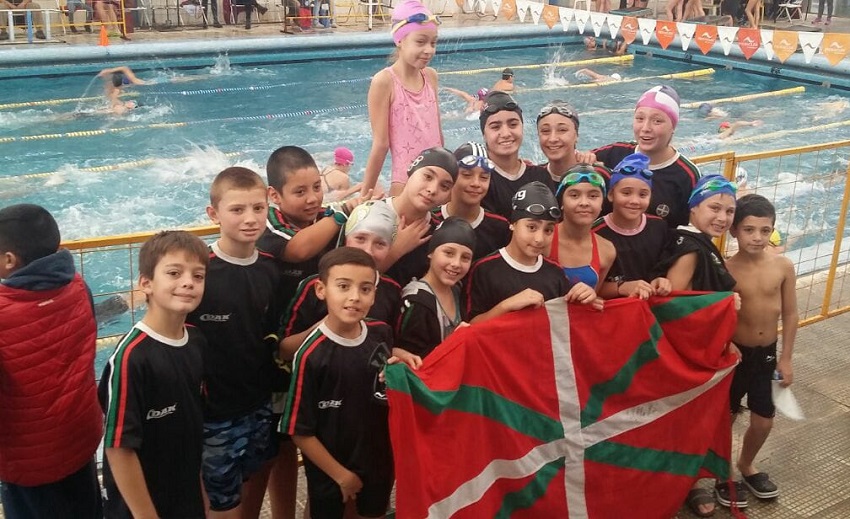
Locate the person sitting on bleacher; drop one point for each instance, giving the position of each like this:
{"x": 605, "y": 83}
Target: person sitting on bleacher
{"x": 37, "y": 17}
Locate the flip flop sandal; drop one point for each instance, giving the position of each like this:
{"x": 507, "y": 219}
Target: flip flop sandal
{"x": 697, "y": 497}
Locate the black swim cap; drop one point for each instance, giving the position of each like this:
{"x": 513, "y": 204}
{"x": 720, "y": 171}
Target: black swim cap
{"x": 497, "y": 101}
{"x": 117, "y": 79}
{"x": 437, "y": 156}
{"x": 536, "y": 201}
{"x": 452, "y": 230}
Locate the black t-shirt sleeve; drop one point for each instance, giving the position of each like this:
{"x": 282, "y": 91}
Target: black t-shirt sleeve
{"x": 301, "y": 407}
{"x": 121, "y": 394}
{"x": 478, "y": 298}
{"x": 273, "y": 244}
{"x": 304, "y": 309}
{"x": 418, "y": 331}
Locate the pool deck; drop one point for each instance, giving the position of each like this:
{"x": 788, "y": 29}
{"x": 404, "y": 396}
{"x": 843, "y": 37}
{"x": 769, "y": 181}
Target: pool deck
{"x": 270, "y": 27}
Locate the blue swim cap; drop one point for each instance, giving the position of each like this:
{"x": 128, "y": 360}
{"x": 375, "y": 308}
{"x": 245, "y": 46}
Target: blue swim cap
{"x": 711, "y": 185}
{"x": 635, "y": 166}
{"x": 705, "y": 109}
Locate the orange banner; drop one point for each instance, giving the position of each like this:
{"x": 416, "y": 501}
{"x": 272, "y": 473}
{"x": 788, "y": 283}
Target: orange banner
{"x": 705, "y": 36}
{"x": 835, "y": 46}
{"x": 629, "y": 29}
{"x": 749, "y": 39}
{"x": 508, "y": 9}
{"x": 665, "y": 31}
{"x": 550, "y": 15}
{"x": 784, "y": 44}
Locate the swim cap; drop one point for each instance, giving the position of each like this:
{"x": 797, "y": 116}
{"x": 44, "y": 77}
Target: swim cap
{"x": 495, "y": 102}
{"x": 663, "y": 98}
{"x": 437, "y": 156}
{"x": 593, "y": 175}
{"x": 635, "y": 166}
{"x": 472, "y": 155}
{"x": 724, "y": 125}
{"x": 616, "y": 77}
{"x": 343, "y": 156}
{"x": 375, "y": 217}
{"x": 705, "y": 109}
{"x": 581, "y": 76}
{"x": 536, "y": 201}
{"x": 118, "y": 79}
{"x": 708, "y": 186}
{"x": 411, "y": 16}
{"x": 453, "y": 229}
{"x": 507, "y": 73}
{"x": 482, "y": 93}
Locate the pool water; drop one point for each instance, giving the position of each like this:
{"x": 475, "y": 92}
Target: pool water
{"x": 204, "y": 117}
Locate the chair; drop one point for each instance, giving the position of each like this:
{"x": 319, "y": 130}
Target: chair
{"x": 790, "y": 10}
{"x": 235, "y": 9}
{"x": 711, "y": 7}
{"x": 145, "y": 8}
{"x": 585, "y": 2}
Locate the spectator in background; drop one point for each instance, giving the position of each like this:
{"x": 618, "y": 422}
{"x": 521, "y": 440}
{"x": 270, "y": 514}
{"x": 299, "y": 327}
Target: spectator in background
{"x": 37, "y": 17}
{"x": 73, "y": 6}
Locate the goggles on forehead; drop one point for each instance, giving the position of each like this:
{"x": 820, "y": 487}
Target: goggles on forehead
{"x": 631, "y": 170}
{"x": 713, "y": 186}
{"x": 416, "y": 18}
{"x": 492, "y": 108}
{"x": 560, "y": 109}
{"x": 471, "y": 161}
{"x": 542, "y": 210}
{"x": 571, "y": 179}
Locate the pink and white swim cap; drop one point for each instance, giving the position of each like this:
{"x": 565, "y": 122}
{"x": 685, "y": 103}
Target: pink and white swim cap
{"x": 663, "y": 98}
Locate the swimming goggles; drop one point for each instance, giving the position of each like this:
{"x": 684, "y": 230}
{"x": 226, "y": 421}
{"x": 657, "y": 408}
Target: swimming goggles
{"x": 560, "y": 109}
{"x": 714, "y": 185}
{"x": 500, "y": 105}
{"x": 416, "y": 18}
{"x": 471, "y": 161}
{"x": 542, "y": 210}
{"x": 592, "y": 178}
{"x": 631, "y": 170}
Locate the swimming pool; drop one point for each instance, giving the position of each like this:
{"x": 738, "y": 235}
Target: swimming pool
{"x": 153, "y": 167}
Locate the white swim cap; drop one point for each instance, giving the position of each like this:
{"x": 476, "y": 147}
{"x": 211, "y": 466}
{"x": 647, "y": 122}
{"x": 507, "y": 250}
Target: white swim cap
{"x": 617, "y": 77}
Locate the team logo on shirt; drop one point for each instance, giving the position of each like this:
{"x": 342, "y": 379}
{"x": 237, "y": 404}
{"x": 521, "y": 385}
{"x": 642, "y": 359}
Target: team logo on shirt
{"x": 215, "y": 318}
{"x": 153, "y": 414}
{"x": 330, "y": 404}
{"x": 662, "y": 210}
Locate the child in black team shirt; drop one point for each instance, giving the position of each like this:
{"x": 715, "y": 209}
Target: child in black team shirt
{"x": 337, "y": 411}
{"x": 151, "y": 390}
{"x": 520, "y": 276}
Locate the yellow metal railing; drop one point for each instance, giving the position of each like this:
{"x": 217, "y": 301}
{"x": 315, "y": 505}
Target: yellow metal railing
{"x": 808, "y": 184}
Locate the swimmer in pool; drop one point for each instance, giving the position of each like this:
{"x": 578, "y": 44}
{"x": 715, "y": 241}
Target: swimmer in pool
{"x": 473, "y": 103}
{"x": 114, "y": 80}
{"x": 829, "y": 109}
{"x": 728, "y": 129}
{"x": 709, "y": 111}
{"x": 588, "y": 75}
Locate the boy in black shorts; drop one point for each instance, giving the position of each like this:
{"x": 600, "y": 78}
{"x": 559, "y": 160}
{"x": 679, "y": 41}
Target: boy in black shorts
{"x": 519, "y": 275}
{"x": 235, "y": 314}
{"x": 767, "y": 284}
{"x": 151, "y": 388}
{"x": 336, "y": 411}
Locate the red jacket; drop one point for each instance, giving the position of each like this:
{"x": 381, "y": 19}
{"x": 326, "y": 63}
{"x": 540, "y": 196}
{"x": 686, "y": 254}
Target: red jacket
{"x": 50, "y": 416}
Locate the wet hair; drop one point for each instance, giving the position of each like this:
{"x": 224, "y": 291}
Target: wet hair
{"x": 344, "y": 256}
{"x": 285, "y": 161}
{"x": 117, "y": 79}
{"x": 753, "y": 205}
{"x": 29, "y": 232}
{"x": 234, "y": 178}
{"x": 165, "y": 242}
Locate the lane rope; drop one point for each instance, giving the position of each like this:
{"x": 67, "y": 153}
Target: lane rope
{"x": 676, "y": 75}
{"x": 179, "y": 124}
{"x": 736, "y": 99}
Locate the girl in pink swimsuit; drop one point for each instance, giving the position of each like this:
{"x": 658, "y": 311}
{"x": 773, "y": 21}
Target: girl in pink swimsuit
{"x": 403, "y": 110}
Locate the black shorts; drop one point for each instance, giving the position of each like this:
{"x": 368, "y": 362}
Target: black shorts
{"x": 326, "y": 497}
{"x": 753, "y": 377}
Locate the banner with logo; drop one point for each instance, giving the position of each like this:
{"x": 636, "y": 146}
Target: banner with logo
{"x": 686, "y": 33}
{"x": 705, "y": 36}
{"x": 835, "y": 47}
{"x": 597, "y": 20}
{"x": 810, "y": 41}
{"x": 647, "y": 29}
{"x": 614, "y": 23}
{"x": 784, "y": 44}
{"x": 508, "y": 9}
{"x": 629, "y": 29}
{"x": 550, "y": 15}
{"x": 665, "y": 31}
{"x": 727, "y": 37}
{"x": 749, "y": 40}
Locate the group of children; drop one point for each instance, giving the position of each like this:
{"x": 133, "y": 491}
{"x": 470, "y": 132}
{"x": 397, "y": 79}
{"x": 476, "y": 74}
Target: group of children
{"x": 274, "y": 337}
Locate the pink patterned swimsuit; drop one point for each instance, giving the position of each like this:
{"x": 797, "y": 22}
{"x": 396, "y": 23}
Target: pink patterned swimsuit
{"x": 414, "y": 124}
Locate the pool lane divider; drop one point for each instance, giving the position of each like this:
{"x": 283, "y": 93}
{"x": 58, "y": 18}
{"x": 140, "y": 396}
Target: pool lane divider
{"x": 108, "y": 167}
{"x": 180, "y": 124}
{"x": 50, "y": 102}
{"x": 256, "y": 88}
{"x": 782, "y": 133}
{"x": 676, "y": 75}
{"x": 578, "y": 63}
